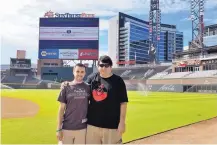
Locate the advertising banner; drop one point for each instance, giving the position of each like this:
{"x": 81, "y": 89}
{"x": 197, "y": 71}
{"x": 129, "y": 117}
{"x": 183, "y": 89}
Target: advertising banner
{"x": 48, "y": 54}
{"x": 86, "y": 54}
{"x": 68, "y": 33}
{"x": 68, "y": 53}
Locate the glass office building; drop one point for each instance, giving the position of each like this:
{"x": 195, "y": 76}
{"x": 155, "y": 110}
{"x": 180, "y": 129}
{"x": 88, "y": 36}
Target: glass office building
{"x": 138, "y": 43}
{"x": 133, "y": 39}
{"x": 128, "y": 41}
{"x": 179, "y": 41}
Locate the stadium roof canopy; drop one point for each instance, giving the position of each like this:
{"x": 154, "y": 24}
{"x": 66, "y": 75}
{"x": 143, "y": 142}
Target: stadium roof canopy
{"x": 186, "y": 52}
{"x": 209, "y": 49}
{"x": 211, "y": 26}
{"x": 212, "y": 49}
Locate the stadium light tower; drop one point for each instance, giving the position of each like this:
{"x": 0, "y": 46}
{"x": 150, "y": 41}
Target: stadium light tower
{"x": 154, "y": 26}
{"x": 197, "y": 16}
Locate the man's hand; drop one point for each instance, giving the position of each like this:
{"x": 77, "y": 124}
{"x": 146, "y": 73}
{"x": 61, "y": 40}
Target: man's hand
{"x": 64, "y": 84}
{"x": 59, "y": 135}
{"x": 121, "y": 128}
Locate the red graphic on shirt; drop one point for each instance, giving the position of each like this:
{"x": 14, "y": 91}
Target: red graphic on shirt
{"x": 99, "y": 94}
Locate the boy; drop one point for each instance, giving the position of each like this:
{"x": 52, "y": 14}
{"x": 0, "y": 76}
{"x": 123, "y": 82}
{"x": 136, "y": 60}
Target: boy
{"x": 73, "y": 98}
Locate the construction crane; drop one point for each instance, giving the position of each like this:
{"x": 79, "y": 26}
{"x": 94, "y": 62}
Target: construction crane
{"x": 197, "y": 18}
{"x": 154, "y": 27}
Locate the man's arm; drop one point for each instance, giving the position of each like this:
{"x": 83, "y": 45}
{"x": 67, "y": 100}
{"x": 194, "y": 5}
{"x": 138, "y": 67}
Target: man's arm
{"x": 89, "y": 78}
{"x": 123, "y": 106}
{"x": 62, "y": 99}
{"x": 122, "y": 125}
{"x": 59, "y": 132}
{"x": 60, "y": 116}
{"x": 123, "y": 112}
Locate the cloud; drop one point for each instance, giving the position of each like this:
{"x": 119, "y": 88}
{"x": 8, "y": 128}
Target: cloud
{"x": 210, "y": 4}
{"x": 103, "y": 24}
{"x": 185, "y": 47}
{"x": 20, "y": 18}
{"x": 103, "y": 52}
{"x": 205, "y": 19}
{"x": 166, "y": 6}
{"x": 186, "y": 19}
{"x": 173, "y": 6}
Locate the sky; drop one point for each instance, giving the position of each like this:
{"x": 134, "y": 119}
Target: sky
{"x": 20, "y": 19}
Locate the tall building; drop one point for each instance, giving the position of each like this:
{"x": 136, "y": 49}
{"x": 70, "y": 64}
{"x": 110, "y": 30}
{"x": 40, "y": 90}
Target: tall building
{"x": 179, "y": 41}
{"x": 128, "y": 41}
{"x": 171, "y": 41}
{"x": 210, "y": 37}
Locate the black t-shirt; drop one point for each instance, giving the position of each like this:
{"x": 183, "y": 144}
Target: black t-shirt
{"x": 107, "y": 95}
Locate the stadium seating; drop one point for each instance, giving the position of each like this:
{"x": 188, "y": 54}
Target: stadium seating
{"x": 2, "y": 86}
{"x": 200, "y": 74}
{"x": 31, "y": 80}
{"x": 13, "y": 79}
{"x": 175, "y": 75}
{"x": 197, "y": 74}
{"x": 2, "y": 77}
{"x": 159, "y": 75}
{"x": 139, "y": 73}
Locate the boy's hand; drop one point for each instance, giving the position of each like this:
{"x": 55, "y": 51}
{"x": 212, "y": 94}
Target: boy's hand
{"x": 59, "y": 135}
{"x": 121, "y": 128}
{"x": 64, "y": 84}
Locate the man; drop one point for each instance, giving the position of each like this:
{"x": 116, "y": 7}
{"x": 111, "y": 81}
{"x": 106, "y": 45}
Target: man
{"x": 107, "y": 106}
{"x": 73, "y": 98}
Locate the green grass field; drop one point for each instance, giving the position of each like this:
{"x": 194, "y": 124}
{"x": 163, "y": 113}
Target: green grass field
{"x": 146, "y": 115}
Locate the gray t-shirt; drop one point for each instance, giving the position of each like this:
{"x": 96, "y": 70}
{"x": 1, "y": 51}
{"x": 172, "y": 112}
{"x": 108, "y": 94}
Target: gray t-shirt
{"x": 75, "y": 96}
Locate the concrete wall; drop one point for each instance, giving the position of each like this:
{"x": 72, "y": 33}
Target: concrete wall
{"x": 64, "y": 73}
{"x": 173, "y": 85}
{"x": 143, "y": 86}
{"x": 41, "y": 62}
{"x": 184, "y": 81}
{"x": 165, "y": 88}
{"x": 113, "y": 41}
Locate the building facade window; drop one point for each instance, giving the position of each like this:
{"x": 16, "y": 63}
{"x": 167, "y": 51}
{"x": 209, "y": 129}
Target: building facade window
{"x": 134, "y": 38}
{"x": 139, "y": 43}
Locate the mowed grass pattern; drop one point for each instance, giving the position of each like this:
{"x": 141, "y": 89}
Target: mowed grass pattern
{"x": 146, "y": 115}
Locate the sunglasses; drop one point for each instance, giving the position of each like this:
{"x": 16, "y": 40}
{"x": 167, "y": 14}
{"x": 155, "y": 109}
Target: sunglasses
{"x": 104, "y": 65}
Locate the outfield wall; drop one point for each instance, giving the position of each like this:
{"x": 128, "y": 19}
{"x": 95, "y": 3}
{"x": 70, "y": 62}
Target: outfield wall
{"x": 185, "y": 81}
{"x": 141, "y": 86}
{"x": 25, "y": 86}
{"x": 165, "y": 88}
{"x": 205, "y": 87}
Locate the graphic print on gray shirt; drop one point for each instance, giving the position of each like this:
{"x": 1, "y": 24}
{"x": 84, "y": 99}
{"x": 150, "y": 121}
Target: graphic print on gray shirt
{"x": 76, "y": 99}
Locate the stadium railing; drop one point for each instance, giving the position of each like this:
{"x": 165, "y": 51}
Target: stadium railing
{"x": 145, "y": 65}
{"x": 199, "y": 74}
{"x": 176, "y": 75}
{"x": 207, "y": 56}
{"x": 205, "y": 88}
